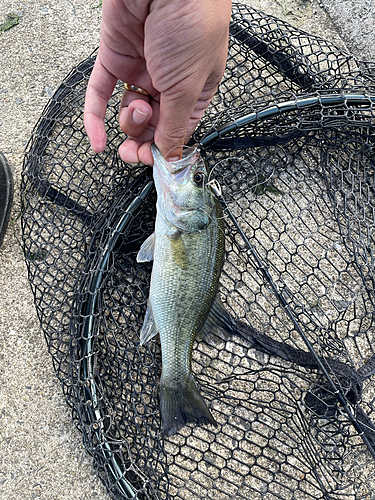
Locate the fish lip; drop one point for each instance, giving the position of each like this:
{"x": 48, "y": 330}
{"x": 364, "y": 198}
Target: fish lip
{"x": 187, "y": 159}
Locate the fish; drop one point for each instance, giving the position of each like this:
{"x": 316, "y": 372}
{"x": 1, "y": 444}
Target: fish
{"x": 187, "y": 249}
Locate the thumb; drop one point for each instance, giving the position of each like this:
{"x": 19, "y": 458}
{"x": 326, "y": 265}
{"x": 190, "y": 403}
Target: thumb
{"x": 171, "y": 129}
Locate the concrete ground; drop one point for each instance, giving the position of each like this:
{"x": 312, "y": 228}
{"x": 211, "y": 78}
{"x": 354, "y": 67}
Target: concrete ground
{"x": 41, "y": 454}
{"x": 355, "y": 22}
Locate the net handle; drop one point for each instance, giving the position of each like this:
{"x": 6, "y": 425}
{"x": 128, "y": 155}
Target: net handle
{"x": 312, "y": 101}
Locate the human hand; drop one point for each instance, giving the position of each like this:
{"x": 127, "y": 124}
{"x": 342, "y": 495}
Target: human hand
{"x": 176, "y": 50}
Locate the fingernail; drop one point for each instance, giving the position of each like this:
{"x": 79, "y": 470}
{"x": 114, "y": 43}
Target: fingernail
{"x": 139, "y": 117}
{"x": 173, "y": 158}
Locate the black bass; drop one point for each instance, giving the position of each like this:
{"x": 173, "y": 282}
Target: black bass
{"x": 188, "y": 250}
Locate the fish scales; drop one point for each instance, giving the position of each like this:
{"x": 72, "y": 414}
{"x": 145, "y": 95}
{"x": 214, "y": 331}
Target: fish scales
{"x": 188, "y": 250}
{"x": 193, "y": 289}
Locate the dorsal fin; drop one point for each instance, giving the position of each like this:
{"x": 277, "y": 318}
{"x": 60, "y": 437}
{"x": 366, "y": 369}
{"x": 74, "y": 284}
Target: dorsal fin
{"x": 218, "y": 319}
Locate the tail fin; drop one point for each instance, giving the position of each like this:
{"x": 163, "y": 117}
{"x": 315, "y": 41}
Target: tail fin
{"x": 181, "y": 405}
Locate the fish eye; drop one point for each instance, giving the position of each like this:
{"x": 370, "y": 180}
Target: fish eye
{"x": 199, "y": 178}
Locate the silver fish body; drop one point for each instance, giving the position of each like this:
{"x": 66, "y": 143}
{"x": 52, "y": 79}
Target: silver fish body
{"x": 188, "y": 249}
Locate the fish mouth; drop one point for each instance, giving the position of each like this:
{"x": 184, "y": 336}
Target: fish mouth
{"x": 190, "y": 155}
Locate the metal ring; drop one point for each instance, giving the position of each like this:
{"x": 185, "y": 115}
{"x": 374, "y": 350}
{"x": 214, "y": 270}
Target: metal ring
{"x": 134, "y": 88}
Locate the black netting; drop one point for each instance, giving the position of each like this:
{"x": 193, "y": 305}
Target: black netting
{"x": 290, "y": 138}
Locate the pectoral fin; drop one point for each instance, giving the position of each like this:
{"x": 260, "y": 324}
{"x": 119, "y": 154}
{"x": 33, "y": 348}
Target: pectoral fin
{"x": 149, "y": 329}
{"x": 179, "y": 252}
{"x": 146, "y": 252}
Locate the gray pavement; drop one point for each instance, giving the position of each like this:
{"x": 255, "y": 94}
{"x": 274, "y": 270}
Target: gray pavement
{"x": 355, "y": 22}
{"x": 41, "y": 453}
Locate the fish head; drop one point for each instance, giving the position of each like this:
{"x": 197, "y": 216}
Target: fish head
{"x": 183, "y": 197}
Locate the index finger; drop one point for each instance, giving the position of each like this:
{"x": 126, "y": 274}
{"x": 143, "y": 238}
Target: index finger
{"x": 99, "y": 91}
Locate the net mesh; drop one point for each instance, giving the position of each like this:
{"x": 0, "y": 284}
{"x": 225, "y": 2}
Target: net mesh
{"x": 290, "y": 138}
